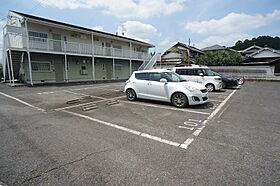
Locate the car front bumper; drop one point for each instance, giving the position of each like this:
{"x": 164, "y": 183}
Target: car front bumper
{"x": 198, "y": 98}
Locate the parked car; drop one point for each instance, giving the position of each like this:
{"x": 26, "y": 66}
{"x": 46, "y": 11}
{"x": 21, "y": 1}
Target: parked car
{"x": 164, "y": 85}
{"x": 228, "y": 82}
{"x": 202, "y": 75}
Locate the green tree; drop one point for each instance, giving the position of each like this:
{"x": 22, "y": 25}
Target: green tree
{"x": 220, "y": 58}
{"x": 262, "y": 41}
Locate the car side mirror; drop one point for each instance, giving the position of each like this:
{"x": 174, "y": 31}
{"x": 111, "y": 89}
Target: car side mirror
{"x": 163, "y": 80}
{"x": 201, "y": 74}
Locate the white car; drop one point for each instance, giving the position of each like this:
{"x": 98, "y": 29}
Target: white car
{"x": 202, "y": 75}
{"x": 164, "y": 85}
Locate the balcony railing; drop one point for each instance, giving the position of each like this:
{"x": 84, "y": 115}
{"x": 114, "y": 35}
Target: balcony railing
{"x": 51, "y": 45}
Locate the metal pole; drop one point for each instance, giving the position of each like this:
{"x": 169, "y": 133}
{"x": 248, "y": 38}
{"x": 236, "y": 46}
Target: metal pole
{"x": 8, "y": 65}
{"x": 28, "y": 53}
{"x": 130, "y": 62}
{"x": 66, "y": 68}
{"x": 4, "y": 65}
{"x": 65, "y": 62}
{"x": 93, "y": 62}
{"x": 4, "y": 57}
{"x": 12, "y": 68}
{"x": 189, "y": 52}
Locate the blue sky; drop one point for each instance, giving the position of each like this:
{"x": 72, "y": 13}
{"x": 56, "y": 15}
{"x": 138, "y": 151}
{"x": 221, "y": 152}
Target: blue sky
{"x": 163, "y": 22}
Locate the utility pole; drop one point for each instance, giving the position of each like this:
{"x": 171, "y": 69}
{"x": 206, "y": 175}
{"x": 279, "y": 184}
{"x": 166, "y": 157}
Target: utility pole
{"x": 189, "y": 52}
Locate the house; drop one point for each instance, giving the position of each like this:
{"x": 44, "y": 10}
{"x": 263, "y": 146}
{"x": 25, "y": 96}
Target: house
{"x": 215, "y": 48}
{"x": 262, "y": 56}
{"x": 179, "y": 54}
{"x": 40, "y": 50}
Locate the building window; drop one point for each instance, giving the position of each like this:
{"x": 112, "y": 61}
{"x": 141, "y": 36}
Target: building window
{"x": 41, "y": 66}
{"x": 37, "y": 36}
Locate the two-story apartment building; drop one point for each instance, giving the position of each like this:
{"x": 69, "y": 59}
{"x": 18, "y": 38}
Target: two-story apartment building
{"x": 39, "y": 50}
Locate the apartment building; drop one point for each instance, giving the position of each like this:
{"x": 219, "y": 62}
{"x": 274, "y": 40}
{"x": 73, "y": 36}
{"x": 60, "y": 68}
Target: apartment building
{"x": 40, "y": 50}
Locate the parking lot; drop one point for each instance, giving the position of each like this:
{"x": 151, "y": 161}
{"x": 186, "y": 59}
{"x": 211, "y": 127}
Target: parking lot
{"x": 78, "y": 121}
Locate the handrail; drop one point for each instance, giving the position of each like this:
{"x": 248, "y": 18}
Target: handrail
{"x": 46, "y": 44}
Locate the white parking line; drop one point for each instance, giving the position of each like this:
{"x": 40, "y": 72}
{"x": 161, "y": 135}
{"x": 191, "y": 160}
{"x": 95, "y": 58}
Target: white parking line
{"x": 81, "y": 94}
{"x": 22, "y": 102}
{"x": 131, "y": 131}
{"x": 199, "y": 130}
{"x": 167, "y": 108}
{"x": 215, "y": 100}
{"x": 83, "y": 104}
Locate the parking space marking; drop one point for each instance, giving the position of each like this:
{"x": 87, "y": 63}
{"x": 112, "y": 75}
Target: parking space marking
{"x": 215, "y": 100}
{"x": 23, "y": 102}
{"x": 45, "y": 93}
{"x": 111, "y": 89}
{"x": 167, "y": 108}
{"x": 82, "y": 88}
{"x": 81, "y": 94}
{"x": 93, "y": 87}
{"x": 131, "y": 131}
{"x": 186, "y": 143}
{"x": 199, "y": 130}
{"x": 83, "y": 104}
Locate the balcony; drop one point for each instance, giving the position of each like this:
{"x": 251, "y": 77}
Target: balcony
{"x": 19, "y": 41}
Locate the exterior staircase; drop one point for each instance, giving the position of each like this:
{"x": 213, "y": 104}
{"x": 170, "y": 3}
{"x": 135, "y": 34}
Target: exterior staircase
{"x": 17, "y": 61}
{"x": 149, "y": 64}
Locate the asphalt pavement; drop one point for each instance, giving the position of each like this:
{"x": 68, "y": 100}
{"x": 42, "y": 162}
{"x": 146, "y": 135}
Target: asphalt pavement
{"x": 50, "y": 142}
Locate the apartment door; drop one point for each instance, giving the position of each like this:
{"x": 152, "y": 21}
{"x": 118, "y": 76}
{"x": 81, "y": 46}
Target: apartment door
{"x": 104, "y": 71}
{"x": 57, "y": 43}
{"x": 59, "y": 69}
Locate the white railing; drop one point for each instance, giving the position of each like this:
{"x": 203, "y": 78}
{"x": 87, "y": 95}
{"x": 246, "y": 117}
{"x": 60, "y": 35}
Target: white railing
{"x": 14, "y": 40}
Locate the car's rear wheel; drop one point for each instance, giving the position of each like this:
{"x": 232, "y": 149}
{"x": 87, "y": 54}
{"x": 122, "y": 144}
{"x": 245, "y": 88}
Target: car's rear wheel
{"x": 131, "y": 95}
{"x": 210, "y": 87}
{"x": 179, "y": 100}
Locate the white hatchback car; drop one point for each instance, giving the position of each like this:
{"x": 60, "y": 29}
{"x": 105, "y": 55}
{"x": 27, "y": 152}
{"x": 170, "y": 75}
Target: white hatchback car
{"x": 164, "y": 85}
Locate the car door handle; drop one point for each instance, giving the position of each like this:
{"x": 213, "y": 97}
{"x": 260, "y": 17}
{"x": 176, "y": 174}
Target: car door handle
{"x": 149, "y": 83}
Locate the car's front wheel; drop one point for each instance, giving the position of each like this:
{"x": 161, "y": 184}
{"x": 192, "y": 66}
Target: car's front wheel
{"x": 131, "y": 95}
{"x": 210, "y": 87}
{"x": 179, "y": 100}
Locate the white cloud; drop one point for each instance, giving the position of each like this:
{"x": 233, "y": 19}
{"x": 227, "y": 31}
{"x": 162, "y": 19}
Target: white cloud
{"x": 137, "y": 30}
{"x": 224, "y": 40}
{"x": 99, "y": 28}
{"x": 166, "y": 42}
{"x": 231, "y": 28}
{"x": 124, "y": 8}
{"x": 232, "y": 23}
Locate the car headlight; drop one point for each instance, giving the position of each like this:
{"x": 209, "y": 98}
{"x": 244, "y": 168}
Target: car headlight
{"x": 191, "y": 89}
{"x": 218, "y": 79}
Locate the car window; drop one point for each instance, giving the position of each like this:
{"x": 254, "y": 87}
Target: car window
{"x": 154, "y": 76}
{"x": 172, "y": 77}
{"x": 142, "y": 76}
{"x": 189, "y": 72}
{"x": 208, "y": 72}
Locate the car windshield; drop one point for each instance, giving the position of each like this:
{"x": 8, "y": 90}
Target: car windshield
{"x": 209, "y": 72}
{"x": 172, "y": 77}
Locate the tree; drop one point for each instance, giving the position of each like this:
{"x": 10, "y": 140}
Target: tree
{"x": 220, "y": 58}
{"x": 262, "y": 41}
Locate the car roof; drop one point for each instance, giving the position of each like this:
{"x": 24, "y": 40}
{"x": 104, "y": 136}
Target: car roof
{"x": 153, "y": 70}
{"x": 189, "y": 67}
